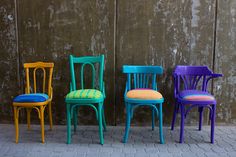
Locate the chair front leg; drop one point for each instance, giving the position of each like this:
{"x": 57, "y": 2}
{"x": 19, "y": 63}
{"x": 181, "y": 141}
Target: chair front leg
{"x": 128, "y": 117}
{"x": 16, "y": 116}
{"x": 200, "y": 110}
{"x": 100, "y": 106}
{"x": 182, "y": 123}
{"x": 213, "y": 122}
{"x": 68, "y": 119}
{"x": 42, "y": 122}
{"x": 161, "y": 124}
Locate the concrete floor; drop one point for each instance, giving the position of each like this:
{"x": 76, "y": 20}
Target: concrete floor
{"x": 142, "y": 142}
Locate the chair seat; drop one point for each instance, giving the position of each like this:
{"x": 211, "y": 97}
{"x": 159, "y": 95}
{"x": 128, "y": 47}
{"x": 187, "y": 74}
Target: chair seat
{"x": 196, "y": 95}
{"x": 142, "y": 93}
{"x": 34, "y": 97}
{"x": 85, "y": 94}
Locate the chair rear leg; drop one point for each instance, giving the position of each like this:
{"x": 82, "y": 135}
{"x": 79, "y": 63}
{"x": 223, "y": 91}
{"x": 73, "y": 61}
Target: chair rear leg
{"x": 153, "y": 119}
{"x": 28, "y": 110}
{"x": 100, "y": 106}
{"x": 200, "y": 110}
{"x": 75, "y": 118}
{"x": 68, "y": 116}
{"x": 128, "y": 114}
{"x": 182, "y": 124}
{"x": 213, "y": 122}
{"x": 16, "y": 117}
{"x": 174, "y": 117}
{"x": 161, "y": 124}
{"x": 50, "y": 114}
{"x": 103, "y": 119}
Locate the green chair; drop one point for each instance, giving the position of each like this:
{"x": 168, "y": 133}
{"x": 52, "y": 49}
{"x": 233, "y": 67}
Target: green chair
{"x": 92, "y": 97}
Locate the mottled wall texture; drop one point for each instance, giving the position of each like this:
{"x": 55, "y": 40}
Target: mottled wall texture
{"x": 137, "y": 32}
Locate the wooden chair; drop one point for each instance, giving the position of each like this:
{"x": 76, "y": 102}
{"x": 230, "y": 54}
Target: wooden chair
{"x": 191, "y": 91}
{"x": 92, "y": 97}
{"x": 35, "y": 100}
{"x": 141, "y": 90}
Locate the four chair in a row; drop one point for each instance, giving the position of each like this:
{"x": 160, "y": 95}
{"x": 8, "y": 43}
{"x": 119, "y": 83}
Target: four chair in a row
{"x": 141, "y": 90}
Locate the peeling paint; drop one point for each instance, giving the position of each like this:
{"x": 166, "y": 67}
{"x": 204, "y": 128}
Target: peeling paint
{"x": 153, "y": 32}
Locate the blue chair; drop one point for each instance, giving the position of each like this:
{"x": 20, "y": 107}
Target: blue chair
{"x": 141, "y": 90}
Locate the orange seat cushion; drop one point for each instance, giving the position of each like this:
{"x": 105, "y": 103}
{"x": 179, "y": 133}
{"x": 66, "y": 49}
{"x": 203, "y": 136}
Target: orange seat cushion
{"x": 147, "y": 94}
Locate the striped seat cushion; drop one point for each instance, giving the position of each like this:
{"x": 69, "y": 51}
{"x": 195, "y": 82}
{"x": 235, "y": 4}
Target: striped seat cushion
{"x": 85, "y": 94}
{"x": 34, "y": 97}
{"x": 196, "y": 95}
{"x": 142, "y": 93}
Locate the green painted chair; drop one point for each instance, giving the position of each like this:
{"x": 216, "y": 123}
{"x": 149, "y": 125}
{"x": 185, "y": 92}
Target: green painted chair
{"x": 92, "y": 97}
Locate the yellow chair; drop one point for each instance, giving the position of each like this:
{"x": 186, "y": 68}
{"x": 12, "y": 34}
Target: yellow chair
{"x": 35, "y": 100}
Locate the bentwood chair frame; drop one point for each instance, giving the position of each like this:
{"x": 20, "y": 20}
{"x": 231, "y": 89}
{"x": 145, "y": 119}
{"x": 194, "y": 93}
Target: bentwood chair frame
{"x": 188, "y": 79}
{"x": 142, "y": 77}
{"x": 38, "y": 106}
{"x": 97, "y": 104}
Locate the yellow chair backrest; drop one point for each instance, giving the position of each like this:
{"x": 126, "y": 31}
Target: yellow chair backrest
{"x": 44, "y": 66}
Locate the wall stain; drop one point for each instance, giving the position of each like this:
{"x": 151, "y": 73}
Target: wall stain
{"x": 150, "y": 32}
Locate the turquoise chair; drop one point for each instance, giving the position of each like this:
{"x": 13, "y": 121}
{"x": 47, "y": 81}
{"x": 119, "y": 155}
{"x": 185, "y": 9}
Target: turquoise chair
{"x": 141, "y": 90}
{"x": 92, "y": 97}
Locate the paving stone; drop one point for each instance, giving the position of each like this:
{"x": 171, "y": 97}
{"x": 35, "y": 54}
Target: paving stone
{"x": 142, "y": 142}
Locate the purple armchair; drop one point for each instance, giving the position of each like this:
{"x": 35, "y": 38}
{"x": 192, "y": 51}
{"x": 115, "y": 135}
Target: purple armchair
{"x": 191, "y": 91}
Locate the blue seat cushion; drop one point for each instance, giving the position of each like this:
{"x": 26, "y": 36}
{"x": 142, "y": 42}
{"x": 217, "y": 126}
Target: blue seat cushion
{"x": 34, "y": 97}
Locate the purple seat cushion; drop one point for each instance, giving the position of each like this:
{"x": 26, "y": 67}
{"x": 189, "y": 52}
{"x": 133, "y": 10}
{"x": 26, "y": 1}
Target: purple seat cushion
{"x": 196, "y": 95}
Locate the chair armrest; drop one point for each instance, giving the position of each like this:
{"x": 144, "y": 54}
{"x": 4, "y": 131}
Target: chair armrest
{"x": 211, "y": 77}
{"x": 217, "y": 75}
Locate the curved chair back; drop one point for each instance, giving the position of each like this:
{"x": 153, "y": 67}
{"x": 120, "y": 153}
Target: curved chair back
{"x": 191, "y": 78}
{"x": 87, "y": 61}
{"x": 141, "y": 76}
{"x": 47, "y": 69}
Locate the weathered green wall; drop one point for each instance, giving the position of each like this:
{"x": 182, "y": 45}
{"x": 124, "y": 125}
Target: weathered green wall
{"x": 8, "y": 59}
{"x": 140, "y": 32}
{"x": 225, "y": 61}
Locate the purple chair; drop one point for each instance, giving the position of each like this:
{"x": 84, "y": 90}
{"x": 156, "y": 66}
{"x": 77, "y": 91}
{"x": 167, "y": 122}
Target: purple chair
{"x": 191, "y": 91}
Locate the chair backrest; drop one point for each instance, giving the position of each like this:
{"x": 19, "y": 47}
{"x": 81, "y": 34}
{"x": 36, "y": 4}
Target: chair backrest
{"x": 47, "y": 69}
{"x": 191, "y": 77}
{"x": 142, "y": 76}
{"x": 87, "y": 61}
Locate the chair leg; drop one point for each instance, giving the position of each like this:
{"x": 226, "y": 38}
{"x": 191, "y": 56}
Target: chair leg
{"x": 100, "y": 106}
{"x": 182, "y": 124}
{"x": 68, "y": 116}
{"x": 213, "y": 122}
{"x": 200, "y": 110}
{"x": 28, "y": 110}
{"x": 174, "y": 117}
{"x": 153, "y": 119}
{"x": 50, "y": 114}
{"x": 104, "y": 120}
{"x": 16, "y": 123}
{"x": 128, "y": 110}
{"x": 75, "y": 118}
{"x": 161, "y": 124}
{"x": 42, "y": 122}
